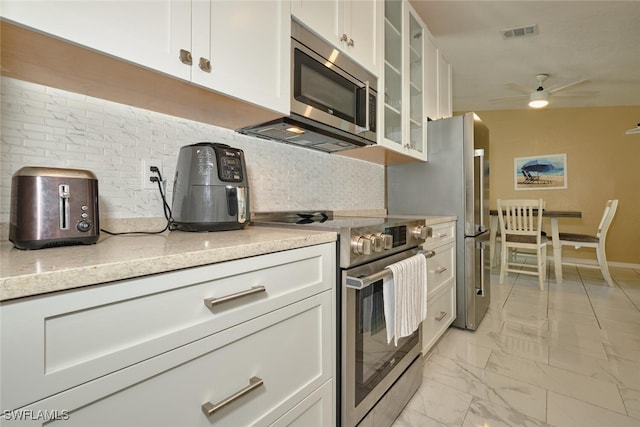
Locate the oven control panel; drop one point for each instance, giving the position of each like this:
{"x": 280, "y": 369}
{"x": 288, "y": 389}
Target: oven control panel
{"x": 377, "y": 241}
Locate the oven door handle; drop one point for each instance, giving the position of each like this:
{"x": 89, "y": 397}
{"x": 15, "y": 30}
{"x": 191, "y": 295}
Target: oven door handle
{"x": 364, "y": 281}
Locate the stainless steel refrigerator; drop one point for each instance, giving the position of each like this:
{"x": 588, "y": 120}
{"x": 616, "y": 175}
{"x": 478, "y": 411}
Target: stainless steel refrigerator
{"x": 454, "y": 181}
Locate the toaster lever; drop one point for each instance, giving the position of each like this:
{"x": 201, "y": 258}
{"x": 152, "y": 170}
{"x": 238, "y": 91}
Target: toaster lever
{"x": 63, "y": 191}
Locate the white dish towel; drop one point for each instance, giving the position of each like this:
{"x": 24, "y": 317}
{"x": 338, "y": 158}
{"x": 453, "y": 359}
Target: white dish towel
{"x": 405, "y": 297}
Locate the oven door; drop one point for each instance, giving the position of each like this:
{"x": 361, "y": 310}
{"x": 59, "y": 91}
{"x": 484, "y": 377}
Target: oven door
{"x": 370, "y": 365}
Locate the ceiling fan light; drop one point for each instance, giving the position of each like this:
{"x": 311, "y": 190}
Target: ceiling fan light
{"x": 539, "y": 99}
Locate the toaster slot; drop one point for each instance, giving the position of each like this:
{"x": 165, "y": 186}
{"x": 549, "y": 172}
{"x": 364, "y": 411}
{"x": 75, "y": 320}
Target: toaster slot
{"x": 63, "y": 191}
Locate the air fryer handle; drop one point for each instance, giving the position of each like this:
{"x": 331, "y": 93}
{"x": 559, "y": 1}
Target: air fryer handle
{"x": 237, "y": 203}
{"x": 232, "y": 201}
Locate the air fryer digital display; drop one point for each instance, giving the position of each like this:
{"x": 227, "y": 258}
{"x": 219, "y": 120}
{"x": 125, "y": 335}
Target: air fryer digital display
{"x": 229, "y": 166}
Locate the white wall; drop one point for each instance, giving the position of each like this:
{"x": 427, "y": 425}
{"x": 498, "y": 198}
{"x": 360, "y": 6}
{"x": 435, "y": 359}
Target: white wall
{"x": 43, "y": 126}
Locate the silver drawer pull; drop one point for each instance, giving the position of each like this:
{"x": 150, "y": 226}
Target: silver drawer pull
{"x": 441, "y": 316}
{"x": 210, "y": 302}
{"x": 440, "y": 235}
{"x": 209, "y": 408}
{"x": 441, "y": 270}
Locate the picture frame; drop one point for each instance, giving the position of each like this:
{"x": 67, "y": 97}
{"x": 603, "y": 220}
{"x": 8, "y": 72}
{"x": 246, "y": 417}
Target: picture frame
{"x": 544, "y": 172}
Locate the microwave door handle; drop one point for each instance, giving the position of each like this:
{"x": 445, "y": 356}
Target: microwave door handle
{"x": 367, "y": 91}
{"x": 366, "y": 128}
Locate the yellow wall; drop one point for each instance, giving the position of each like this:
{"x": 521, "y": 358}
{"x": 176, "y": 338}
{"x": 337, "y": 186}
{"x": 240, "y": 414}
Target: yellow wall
{"x": 602, "y": 163}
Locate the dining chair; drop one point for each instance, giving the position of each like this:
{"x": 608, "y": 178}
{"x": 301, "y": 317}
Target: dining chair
{"x": 521, "y": 228}
{"x": 598, "y": 242}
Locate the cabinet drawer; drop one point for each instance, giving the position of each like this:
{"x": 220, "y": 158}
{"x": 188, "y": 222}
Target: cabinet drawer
{"x": 52, "y": 343}
{"x": 290, "y": 350}
{"x": 441, "y": 311}
{"x": 441, "y": 267}
{"x": 314, "y": 411}
{"x": 441, "y": 234}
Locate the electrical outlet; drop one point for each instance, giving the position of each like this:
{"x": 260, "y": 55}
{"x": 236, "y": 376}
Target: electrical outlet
{"x": 146, "y": 174}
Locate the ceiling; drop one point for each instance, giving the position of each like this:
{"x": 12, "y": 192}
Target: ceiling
{"x": 598, "y": 41}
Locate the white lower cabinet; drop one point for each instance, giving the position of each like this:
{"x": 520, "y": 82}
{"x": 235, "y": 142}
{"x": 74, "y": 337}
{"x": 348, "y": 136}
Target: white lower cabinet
{"x": 269, "y": 353}
{"x": 441, "y": 283}
{"x": 441, "y": 312}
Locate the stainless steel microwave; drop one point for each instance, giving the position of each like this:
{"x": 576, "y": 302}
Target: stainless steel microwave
{"x": 333, "y": 99}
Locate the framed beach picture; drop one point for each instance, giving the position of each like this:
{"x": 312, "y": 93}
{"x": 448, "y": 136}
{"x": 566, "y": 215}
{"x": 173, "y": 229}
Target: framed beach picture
{"x": 547, "y": 172}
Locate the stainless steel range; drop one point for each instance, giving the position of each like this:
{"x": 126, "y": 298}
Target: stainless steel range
{"x": 377, "y": 378}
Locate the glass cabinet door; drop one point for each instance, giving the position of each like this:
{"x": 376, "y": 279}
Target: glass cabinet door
{"x": 416, "y": 84}
{"x": 403, "y": 115}
{"x": 393, "y": 71}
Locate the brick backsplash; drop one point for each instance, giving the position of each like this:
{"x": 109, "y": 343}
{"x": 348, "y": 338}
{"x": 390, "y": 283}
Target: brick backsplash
{"x": 44, "y": 126}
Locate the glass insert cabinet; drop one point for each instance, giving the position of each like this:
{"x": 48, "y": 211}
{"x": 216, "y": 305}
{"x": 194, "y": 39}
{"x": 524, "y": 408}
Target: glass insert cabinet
{"x": 404, "y": 100}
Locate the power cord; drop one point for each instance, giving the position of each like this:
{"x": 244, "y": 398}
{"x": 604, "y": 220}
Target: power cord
{"x": 165, "y": 206}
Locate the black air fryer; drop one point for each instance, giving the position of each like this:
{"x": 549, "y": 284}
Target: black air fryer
{"x": 210, "y": 190}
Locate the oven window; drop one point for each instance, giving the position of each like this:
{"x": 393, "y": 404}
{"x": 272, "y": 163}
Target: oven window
{"x": 374, "y": 357}
{"x": 319, "y": 86}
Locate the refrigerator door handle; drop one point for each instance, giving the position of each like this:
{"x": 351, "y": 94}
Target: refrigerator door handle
{"x": 481, "y": 290}
{"x": 480, "y": 154}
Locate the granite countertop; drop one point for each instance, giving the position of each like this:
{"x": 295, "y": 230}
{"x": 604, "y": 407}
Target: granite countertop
{"x": 27, "y": 273}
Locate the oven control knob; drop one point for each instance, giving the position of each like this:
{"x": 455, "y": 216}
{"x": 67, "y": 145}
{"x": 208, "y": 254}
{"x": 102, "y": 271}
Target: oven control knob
{"x": 377, "y": 242}
{"x": 361, "y": 245}
{"x": 421, "y": 232}
{"x": 387, "y": 241}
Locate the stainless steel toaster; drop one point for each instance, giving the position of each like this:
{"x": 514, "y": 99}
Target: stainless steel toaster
{"x": 53, "y": 207}
{"x": 211, "y": 188}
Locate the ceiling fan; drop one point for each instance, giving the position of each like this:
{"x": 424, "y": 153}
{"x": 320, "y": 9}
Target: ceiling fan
{"x": 539, "y": 98}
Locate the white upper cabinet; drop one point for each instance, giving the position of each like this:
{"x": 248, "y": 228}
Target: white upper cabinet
{"x": 431, "y": 78}
{"x": 445, "y": 105}
{"x": 403, "y": 86}
{"x": 240, "y": 49}
{"x": 350, "y": 25}
{"x": 149, "y": 33}
{"x": 438, "y": 81}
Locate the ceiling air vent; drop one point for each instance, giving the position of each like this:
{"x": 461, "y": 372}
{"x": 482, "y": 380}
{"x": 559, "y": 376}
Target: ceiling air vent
{"x": 513, "y": 33}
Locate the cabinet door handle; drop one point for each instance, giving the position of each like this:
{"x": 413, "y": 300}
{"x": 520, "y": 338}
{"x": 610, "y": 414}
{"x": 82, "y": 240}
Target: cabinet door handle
{"x": 441, "y": 316}
{"x": 344, "y": 38}
{"x": 441, "y": 235}
{"x": 185, "y": 57}
{"x": 350, "y": 43}
{"x": 209, "y": 408}
{"x": 205, "y": 65}
{"x": 210, "y": 302}
{"x": 441, "y": 270}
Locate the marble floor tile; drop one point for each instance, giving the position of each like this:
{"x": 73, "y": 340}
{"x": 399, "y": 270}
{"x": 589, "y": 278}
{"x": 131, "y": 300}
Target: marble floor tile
{"x": 441, "y": 403}
{"x": 411, "y": 418}
{"x": 498, "y": 389}
{"x": 462, "y": 350}
{"x": 567, "y": 412}
{"x": 629, "y": 328}
{"x": 597, "y": 392}
{"x": 573, "y": 346}
{"x": 486, "y": 414}
{"x": 577, "y": 343}
{"x": 528, "y": 332}
{"x": 516, "y": 346}
{"x": 631, "y": 398}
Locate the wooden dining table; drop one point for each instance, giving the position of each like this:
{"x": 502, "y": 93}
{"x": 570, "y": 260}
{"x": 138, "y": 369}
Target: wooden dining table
{"x": 555, "y": 238}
